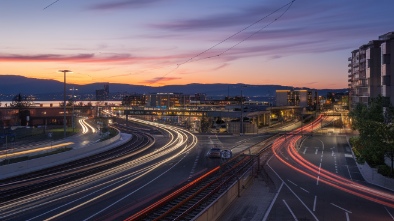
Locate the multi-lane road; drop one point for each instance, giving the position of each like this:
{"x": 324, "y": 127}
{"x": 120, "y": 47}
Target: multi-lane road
{"x": 174, "y": 158}
{"x": 318, "y": 179}
{"x": 316, "y": 176}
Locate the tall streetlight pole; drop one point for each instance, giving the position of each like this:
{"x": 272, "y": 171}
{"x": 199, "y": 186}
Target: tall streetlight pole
{"x": 242, "y": 114}
{"x": 242, "y": 111}
{"x": 73, "y": 123}
{"x": 64, "y": 100}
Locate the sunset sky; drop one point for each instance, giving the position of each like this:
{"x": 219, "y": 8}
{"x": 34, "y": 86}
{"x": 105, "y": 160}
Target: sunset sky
{"x": 166, "y": 42}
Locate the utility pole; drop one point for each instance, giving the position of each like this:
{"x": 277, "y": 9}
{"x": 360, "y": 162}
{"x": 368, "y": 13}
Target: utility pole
{"x": 64, "y": 100}
{"x": 242, "y": 111}
{"x": 242, "y": 115}
{"x": 73, "y": 120}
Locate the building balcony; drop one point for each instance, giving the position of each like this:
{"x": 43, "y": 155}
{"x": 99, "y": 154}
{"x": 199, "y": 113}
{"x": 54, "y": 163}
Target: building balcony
{"x": 362, "y": 85}
{"x": 349, "y": 71}
{"x": 349, "y": 59}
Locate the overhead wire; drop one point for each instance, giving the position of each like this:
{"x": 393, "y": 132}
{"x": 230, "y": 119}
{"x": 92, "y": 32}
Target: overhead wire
{"x": 288, "y": 5}
{"x": 193, "y": 59}
{"x": 242, "y": 30}
{"x": 50, "y": 4}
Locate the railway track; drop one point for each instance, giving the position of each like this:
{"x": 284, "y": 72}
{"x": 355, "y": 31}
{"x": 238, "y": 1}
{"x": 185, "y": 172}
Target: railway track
{"x": 15, "y": 187}
{"x": 188, "y": 201}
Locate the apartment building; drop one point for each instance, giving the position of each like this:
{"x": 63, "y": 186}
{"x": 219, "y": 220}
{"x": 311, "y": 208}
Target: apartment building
{"x": 387, "y": 68}
{"x": 301, "y": 98}
{"x": 167, "y": 100}
{"x": 370, "y": 68}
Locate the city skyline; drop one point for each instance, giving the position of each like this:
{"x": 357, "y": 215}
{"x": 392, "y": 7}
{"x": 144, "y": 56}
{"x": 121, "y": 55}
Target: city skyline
{"x": 155, "y": 43}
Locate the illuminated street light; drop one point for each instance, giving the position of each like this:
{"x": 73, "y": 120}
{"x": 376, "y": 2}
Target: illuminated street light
{"x": 64, "y": 100}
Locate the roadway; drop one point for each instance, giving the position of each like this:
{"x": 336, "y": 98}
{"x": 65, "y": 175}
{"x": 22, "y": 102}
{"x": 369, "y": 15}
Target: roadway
{"x": 329, "y": 187}
{"x": 174, "y": 159}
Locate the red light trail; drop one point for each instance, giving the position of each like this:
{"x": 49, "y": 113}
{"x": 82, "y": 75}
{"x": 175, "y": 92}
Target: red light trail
{"x": 307, "y": 168}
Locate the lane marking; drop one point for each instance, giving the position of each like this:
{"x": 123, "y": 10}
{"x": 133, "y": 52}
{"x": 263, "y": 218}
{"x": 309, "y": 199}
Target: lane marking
{"x": 349, "y": 172}
{"x": 347, "y": 217}
{"x": 314, "y": 204}
{"x": 317, "y": 181}
{"x": 272, "y": 203}
{"x": 392, "y": 217}
{"x": 299, "y": 199}
{"x": 316, "y": 151}
{"x": 304, "y": 190}
{"x": 291, "y": 211}
{"x": 305, "y": 149}
{"x": 292, "y": 182}
{"x": 341, "y": 208}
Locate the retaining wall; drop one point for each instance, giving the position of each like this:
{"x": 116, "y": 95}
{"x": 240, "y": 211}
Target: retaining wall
{"x": 215, "y": 210}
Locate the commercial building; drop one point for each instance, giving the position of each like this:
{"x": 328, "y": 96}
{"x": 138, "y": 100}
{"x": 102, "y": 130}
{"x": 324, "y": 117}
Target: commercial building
{"x": 370, "y": 70}
{"x": 137, "y": 100}
{"x": 167, "y": 100}
{"x": 300, "y": 98}
{"x": 103, "y": 94}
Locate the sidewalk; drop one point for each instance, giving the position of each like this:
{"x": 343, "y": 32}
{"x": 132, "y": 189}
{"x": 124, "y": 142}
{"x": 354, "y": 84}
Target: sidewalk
{"x": 253, "y": 202}
{"x": 371, "y": 175}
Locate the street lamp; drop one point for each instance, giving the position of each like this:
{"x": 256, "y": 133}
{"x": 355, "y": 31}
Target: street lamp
{"x": 73, "y": 123}
{"x": 242, "y": 114}
{"x": 242, "y": 111}
{"x": 64, "y": 100}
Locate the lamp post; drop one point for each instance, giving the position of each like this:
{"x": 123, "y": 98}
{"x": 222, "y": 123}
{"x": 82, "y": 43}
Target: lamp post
{"x": 242, "y": 115}
{"x": 242, "y": 111}
{"x": 64, "y": 100}
{"x": 73, "y": 123}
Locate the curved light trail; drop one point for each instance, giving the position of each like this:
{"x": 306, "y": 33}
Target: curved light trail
{"x": 18, "y": 153}
{"x": 35, "y": 150}
{"x": 313, "y": 171}
{"x": 178, "y": 145}
{"x": 85, "y": 126}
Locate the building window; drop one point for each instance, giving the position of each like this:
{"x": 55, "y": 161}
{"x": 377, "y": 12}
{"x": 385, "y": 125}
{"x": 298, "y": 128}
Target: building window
{"x": 386, "y": 59}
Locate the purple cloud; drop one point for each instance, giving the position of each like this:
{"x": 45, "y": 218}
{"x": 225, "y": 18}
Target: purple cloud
{"x": 68, "y": 58}
{"x": 159, "y": 80}
{"x": 123, "y": 4}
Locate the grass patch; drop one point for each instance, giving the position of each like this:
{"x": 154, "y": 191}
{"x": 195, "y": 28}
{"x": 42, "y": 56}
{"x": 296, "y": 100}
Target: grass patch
{"x": 110, "y": 132}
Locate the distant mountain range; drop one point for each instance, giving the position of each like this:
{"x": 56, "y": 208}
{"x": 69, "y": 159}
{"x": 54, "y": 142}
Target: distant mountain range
{"x": 42, "y": 89}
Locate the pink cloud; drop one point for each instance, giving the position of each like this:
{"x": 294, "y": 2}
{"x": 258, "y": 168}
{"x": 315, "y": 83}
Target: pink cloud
{"x": 159, "y": 80}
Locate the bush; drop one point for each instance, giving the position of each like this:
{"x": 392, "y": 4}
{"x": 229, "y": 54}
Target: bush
{"x": 358, "y": 156}
{"x": 384, "y": 170}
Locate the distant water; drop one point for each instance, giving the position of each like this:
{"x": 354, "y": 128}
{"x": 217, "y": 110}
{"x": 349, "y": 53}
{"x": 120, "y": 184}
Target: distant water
{"x": 57, "y": 103}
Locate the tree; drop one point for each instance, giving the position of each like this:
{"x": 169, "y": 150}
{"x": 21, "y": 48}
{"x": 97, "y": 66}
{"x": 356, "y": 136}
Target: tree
{"x": 205, "y": 124}
{"x": 22, "y": 103}
{"x": 376, "y": 139}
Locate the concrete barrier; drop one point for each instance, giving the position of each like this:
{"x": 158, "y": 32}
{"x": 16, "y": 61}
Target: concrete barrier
{"x": 32, "y": 165}
{"x": 216, "y": 208}
{"x": 371, "y": 175}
